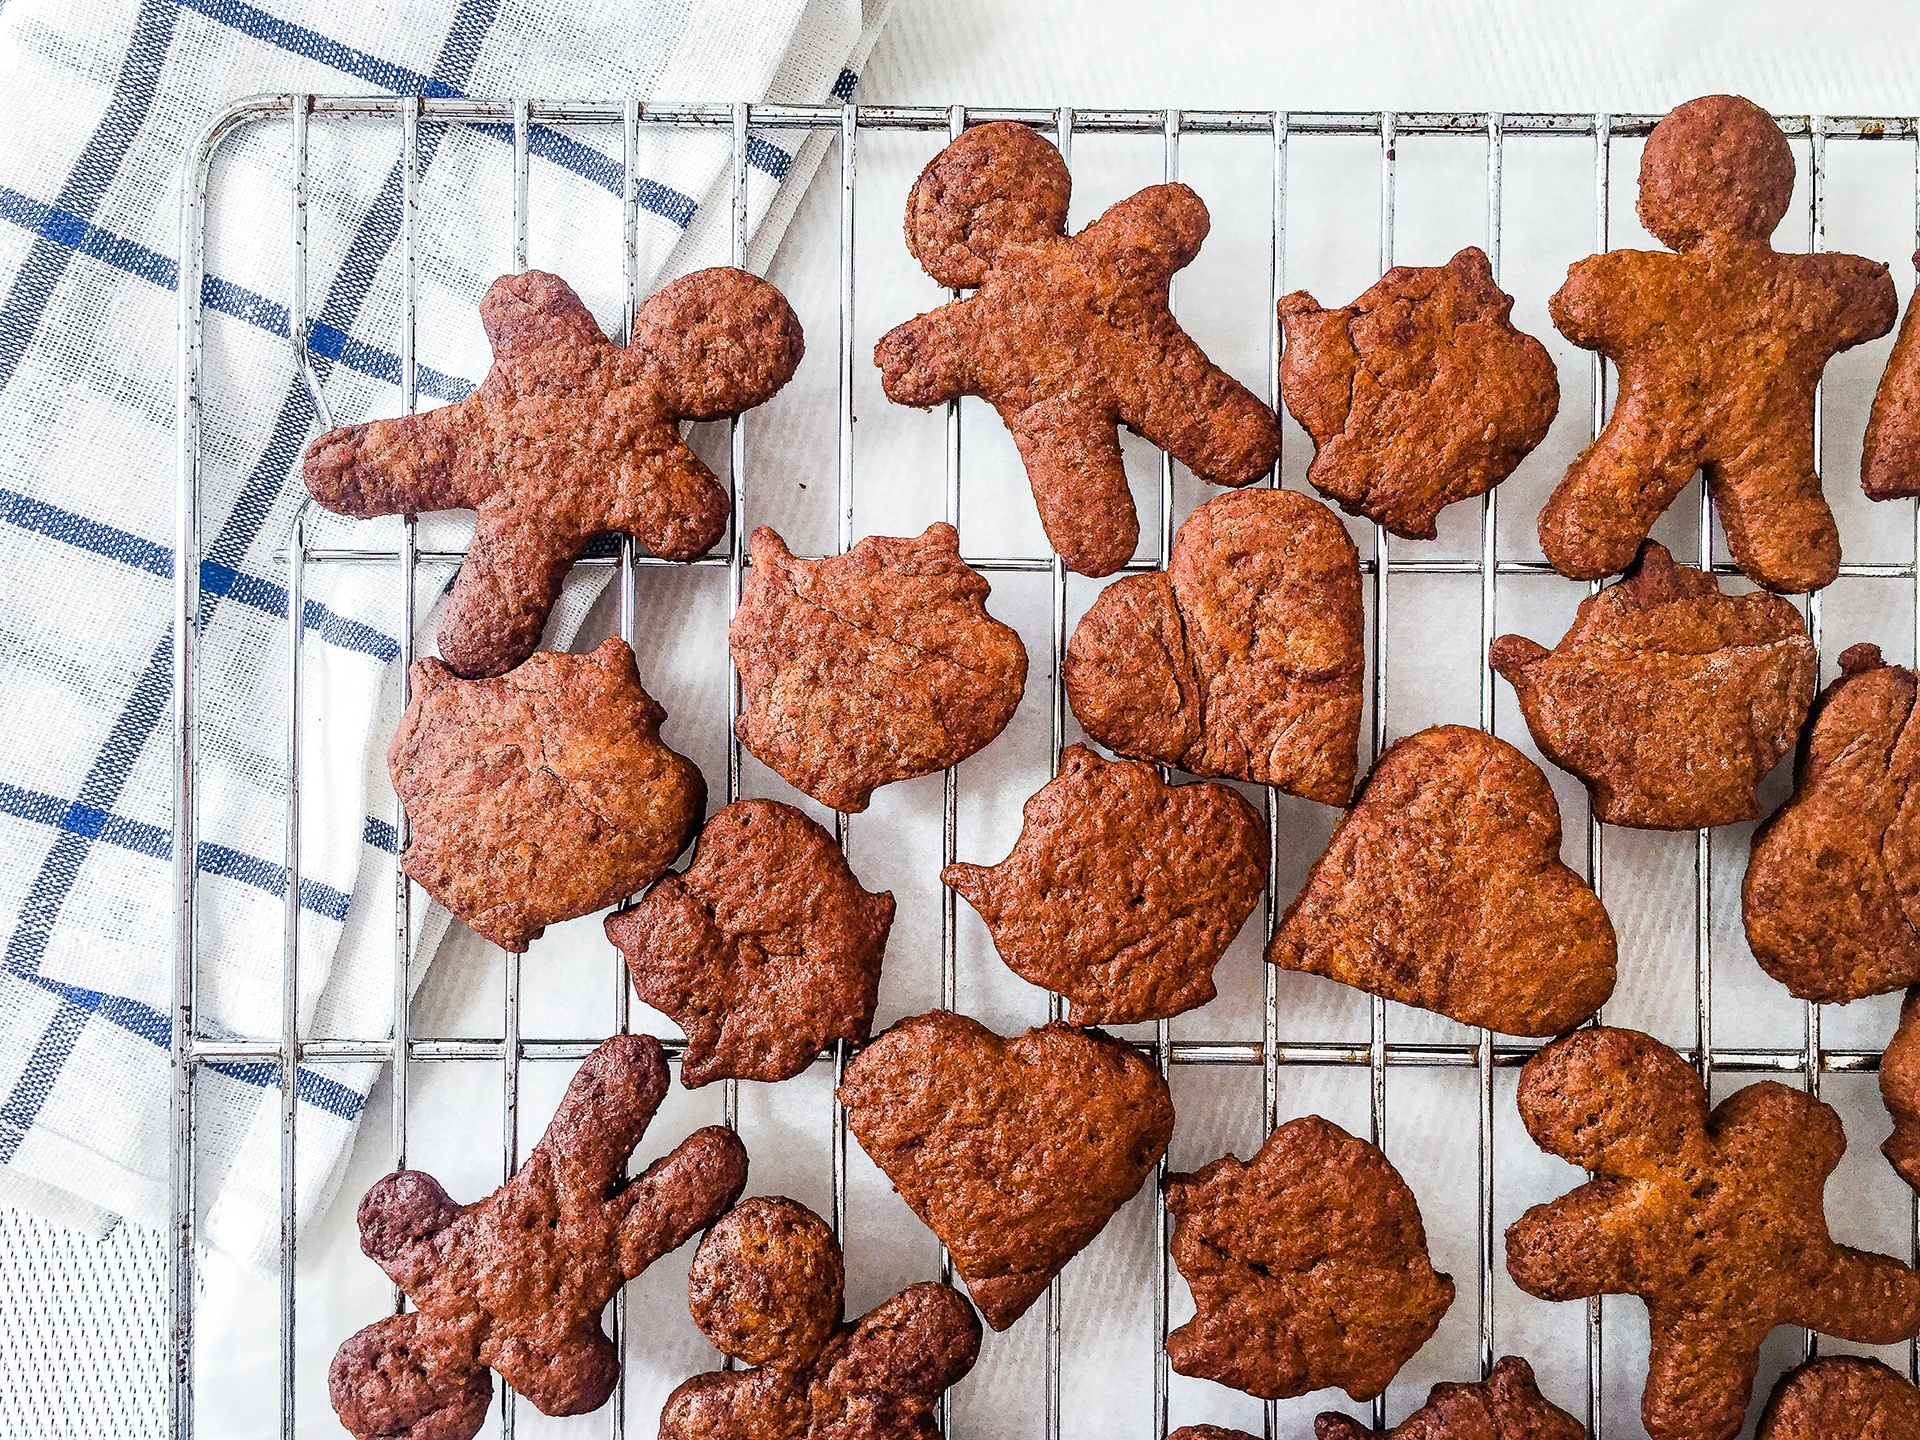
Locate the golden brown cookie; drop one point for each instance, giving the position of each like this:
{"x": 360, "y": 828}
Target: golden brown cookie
{"x": 763, "y": 951}
{"x": 1832, "y": 891}
{"x": 1890, "y": 458}
{"x": 870, "y": 667}
{"x": 542, "y": 795}
{"x": 569, "y": 436}
{"x": 1716, "y": 1220}
{"x": 1720, "y": 346}
{"x": 1068, "y": 337}
{"x": 1308, "y": 1267}
{"x": 1208, "y": 1432}
{"x": 1245, "y": 659}
{"x": 1123, "y": 891}
{"x": 1842, "y": 1397}
{"x": 1443, "y": 888}
{"x": 1900, "y": 1090}
{"x": 516, "y": 1282}
{"x": 1670, "y": 700}
{"x": 766, "y": 1288}
{"x": 1418, "y": 394}
{"x": 1507, "y": 1405}
{"x": 1014, "y": 1152}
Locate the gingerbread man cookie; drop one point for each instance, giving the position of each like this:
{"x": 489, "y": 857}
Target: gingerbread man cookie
{"x": 569, "y": 436}
{"x": 1715, "y": 1218}
{"x": 766, "y": 1288}
{"x": 1720, "y": 346}
{"x": 1418, "y": 394}
{"x": 1507, "y": 1405}
{"x": 516, "y": 1282}
{"x": 1842, "y": 1397}
{"x": 1068, "y": 337}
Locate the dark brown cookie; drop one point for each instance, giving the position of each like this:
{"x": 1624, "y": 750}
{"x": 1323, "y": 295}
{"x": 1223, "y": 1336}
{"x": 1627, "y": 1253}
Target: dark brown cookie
{"x": 1900, "y": 1090}
{"x": 1014, "y": 1152}
{"x": 870, "y": 667}
{"x": 1443, "y": 888}
{"x": 1832, "y": 893}
{"x": 1720, "y": 347}
{"x": 516, "y": 1282}
{"x": 1244, "y": 659}
{"x": 1418, "y": 394}
{"x": 1308, "y": 1267}
{"x": 1124, "y": 891}
{"x": 570, "y": 436}
{"x": 1068, "y": 337}
{"x": 1507, "y": 1405}
{"x": 542, "y": 795}
{"x": 1208, "y": 1432}
{"x": 1842, "y": 1397}
{"x": 1670, "y": 700}
{"x": 766, "y": 1288}
{"x": 763, "y": 950}
{"x": 1716, "y": 1220}
{"x": 1890, "y": 458}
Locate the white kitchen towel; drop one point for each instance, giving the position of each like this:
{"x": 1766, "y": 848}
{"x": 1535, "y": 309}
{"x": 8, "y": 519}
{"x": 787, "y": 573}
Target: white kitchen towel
{"x": 99, "y": 105}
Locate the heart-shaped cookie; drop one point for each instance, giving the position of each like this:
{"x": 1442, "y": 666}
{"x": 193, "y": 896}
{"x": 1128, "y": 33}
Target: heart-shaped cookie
{"x": 1014, "y": 1152}
{"x": 1243, "y": 659}
{"x": 1443, "y": 888}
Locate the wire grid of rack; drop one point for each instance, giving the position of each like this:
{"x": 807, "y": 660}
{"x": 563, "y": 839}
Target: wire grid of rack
{"x": 1271, "y": 1050}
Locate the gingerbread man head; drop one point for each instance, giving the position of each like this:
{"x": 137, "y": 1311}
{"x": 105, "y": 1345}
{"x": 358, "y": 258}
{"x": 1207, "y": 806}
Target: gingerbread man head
{"x": 1714, "y": 1218}
{"x": 569, "y": 437}
{"x": 1720, "y": 346}
{"x": 766, "y": 1288}
{"x": 1068, "y": 337}
{"x": 516, "y": 1282}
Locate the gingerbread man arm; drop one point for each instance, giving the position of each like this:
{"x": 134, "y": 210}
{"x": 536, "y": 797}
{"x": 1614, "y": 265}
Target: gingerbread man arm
{"x": 571, "y": 1374}
{"x": 1562, "y": 1250}
{"x": 670, "y": 502}
{"x": 543, "y": 337}
{"x": 608, "y": 1105}
{"x": 406, "y": 466}
{"x": 1866, "y": 304}
{"x": 680, "y": 1193}
{"x": 1593, "y": 308}
{"x": 929, "y": 360}
{"x": 907, "y": 1350}
{"x": 1699, "y": 1377}
{"x": 1865, "y": 1297}
{"x": 1149, "y": 235}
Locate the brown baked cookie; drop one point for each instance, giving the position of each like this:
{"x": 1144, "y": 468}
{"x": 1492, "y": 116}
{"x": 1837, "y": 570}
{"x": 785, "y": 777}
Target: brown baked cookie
{"x": 1669, "y": 700}
{"x": 516, "y": 1282}
{"x": 542, "y": 795}
{"x": 1014, "y": 1152}
{"x": 1716, "y": 1220}
{"x": 1890, "y": 458}
{"x": 1068, "y": 337}
{"x": 1507, "y": 1405}
{"x": 1832, "y": 893}
{"x": 569, "y": 436}
{"x": 1244, "y": 659}
{"x": 763, "y": 951}
{"x": 870, "y": 667}
{"x": 1900, "y": 1090}
{"x": 1308, "y": 1267}
{"x": 1842, "y": 1397}
{"x": 1208, "y": 1432}
{"x": 1720, "y": 346}
{"x": 1124, "y": 891}
{"x": 766, "y": 1288}
{"x": 1418, "y": 394}
{"x": 1443, "y": 888}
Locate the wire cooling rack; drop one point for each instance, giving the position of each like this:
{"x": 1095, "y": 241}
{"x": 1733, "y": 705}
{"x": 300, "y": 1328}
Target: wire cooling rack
{"x": 1591, "y": 136}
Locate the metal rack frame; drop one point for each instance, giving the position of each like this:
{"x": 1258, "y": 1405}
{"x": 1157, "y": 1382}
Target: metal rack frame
{"x": 1270, "y": 1051}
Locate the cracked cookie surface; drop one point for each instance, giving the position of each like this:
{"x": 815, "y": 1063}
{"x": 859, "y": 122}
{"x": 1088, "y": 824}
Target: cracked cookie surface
{"x": 1831, "y": 897}
{"x": 874, "y": 666}
{"x": 540, "y": 796}
{"x": 1418, "y": 394}
{"x": 1068, "y": 337}
{"x": 1123, "y": 892}
{"x": 1670, "y": 700}
{"x": 1308, "y": 1266}
{"x": 763, "y": 950}
{"x": 1244, "y": 659}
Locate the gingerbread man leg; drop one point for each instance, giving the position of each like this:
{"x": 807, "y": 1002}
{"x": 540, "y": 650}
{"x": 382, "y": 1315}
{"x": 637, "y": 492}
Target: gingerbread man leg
{"x": 1561, "y": 1250}
{"x": 573, "y": 1378}
{"x": 411, "y": 1378}
{"x": 499, "y": 607}
{"x": 1699, "y": 1379}
{"x": 1779, "y": 529}
{"x": 1604, "y": 507}
{"x": 1079, "y": 483}
{"x": 1861, "y": 1289}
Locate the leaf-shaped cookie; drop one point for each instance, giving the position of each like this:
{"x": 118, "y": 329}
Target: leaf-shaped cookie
{"x": 1014, "y": 1152}
{"x": 1243, "y": 659}
{"x": 1443, "y": 888}
{"x": 1123, "y": 891}
{"x": 1507, "y": 1405}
